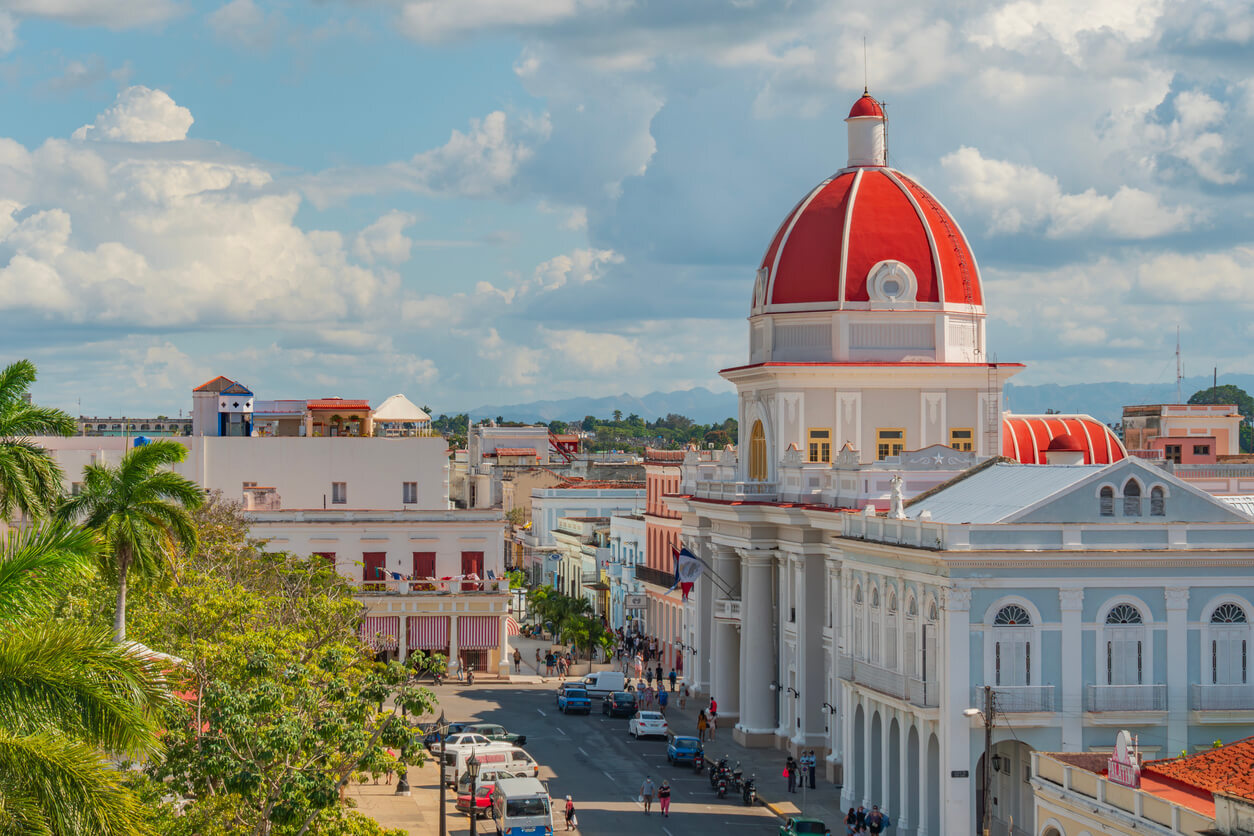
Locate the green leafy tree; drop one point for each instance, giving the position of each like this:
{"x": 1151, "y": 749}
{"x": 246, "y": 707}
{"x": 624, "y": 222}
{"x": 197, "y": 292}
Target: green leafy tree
{"x": 1244, "y": 403}
{"x": 70, "y": 698}
{"x": 30, "y": 480}
{"x": 286, "y": 704}
{"x": 142, "y": 513}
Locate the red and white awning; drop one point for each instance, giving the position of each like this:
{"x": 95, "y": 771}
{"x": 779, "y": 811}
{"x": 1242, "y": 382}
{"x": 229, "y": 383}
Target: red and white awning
{"x": 478, "y": 632}
{"x": 380, "y": 631}
{"x": 511, "y": 626}
{"x": 428, "y": 632}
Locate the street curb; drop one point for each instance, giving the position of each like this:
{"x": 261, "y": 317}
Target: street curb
{"x": 776, "y": 809}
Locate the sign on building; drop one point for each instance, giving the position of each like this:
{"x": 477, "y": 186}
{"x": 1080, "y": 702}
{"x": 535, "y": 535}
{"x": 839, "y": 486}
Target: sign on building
{"x": 1124, "y": 766}
{"x": 635, "y": 602}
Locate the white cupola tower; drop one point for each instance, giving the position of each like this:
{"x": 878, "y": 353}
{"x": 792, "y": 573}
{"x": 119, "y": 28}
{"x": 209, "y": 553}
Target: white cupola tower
{"x": 867, "y": 139}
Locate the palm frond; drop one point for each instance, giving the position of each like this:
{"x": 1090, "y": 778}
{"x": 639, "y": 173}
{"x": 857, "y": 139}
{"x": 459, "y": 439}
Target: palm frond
{"x": 78, "y": 791}
{"x": 15, "y": 381}
{"x": 36, "y": 564}
{"x": 98, "y": 691}
{"x": 20, "y": 420}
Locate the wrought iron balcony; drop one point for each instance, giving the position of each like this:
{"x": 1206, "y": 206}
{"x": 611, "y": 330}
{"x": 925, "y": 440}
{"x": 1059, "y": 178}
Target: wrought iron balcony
{"x": 654, "y": 576}
{"x": 1222, "y": 698}
{"x": 1018, "y": 698}
{"x": 1126, "y": 698}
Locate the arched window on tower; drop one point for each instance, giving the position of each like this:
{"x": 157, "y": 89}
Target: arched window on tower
{"x": 890, "y": 631}
{"x": 1229, "y": 646}
{"x": 910, "y": 654}
{"x": 757, "y": 453}
{"x": 1132, "y": 498}
{"x": 1012, "y": 646}
{"x": 859, "y": 623}
{"x": 1125, "y": 646}
{"x": 1107, "y": 501}
{"x": 876, "y": 626}
{"x": 1158, "y": 503}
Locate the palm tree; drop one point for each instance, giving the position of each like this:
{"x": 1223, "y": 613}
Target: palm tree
{"x": 141, "y": 511}
{"x": 30, "y": 480}
{"x": 69, "y": 698}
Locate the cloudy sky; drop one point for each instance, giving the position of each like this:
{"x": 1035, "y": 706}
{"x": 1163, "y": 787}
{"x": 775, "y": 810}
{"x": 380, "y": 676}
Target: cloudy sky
{"x": 493, "y": 201}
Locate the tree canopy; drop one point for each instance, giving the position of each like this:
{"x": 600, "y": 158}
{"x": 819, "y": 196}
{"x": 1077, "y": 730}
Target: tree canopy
{"x": 1229, "y": 393}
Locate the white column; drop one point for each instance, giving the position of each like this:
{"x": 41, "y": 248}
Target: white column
{"x": 886, "y": 761}
{"x": 901, "y": 815}
{"x": 1177, "y": 670}
{"x": 454, "y": 651}
{"x": 849, "y": 770}
{"x": 726, "y": 653}
{"x": 835, "y": 722}
{"x": 864, "y": 768}
{"x": 957, "y": 794}
{"x": 402, "y": 641}
{"x": 503, "y": 665}
{"x": 704, "y": 629}
{"x": 924, "y": 735}
{"x": 812, "y": 675}
{"x": 758, "y": 648}
{"x": 1072, "y": 602}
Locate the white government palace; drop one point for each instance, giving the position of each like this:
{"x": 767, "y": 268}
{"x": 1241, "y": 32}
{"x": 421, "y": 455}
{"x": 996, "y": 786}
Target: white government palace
{"x": 1094, "y": 591}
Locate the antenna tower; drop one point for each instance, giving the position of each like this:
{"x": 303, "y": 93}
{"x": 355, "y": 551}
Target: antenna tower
{"x": 1179, "y": 370}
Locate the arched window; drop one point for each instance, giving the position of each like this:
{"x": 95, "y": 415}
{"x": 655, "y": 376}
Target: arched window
{"x": 876, "y": 628}
{"x": 890, "y": 631}
{"x": 875, "y": 598}
{"x": 757, "y": 453}
{"x": 1132, "y": 498}
{"x": 1229, "y": 646}
{"x": 1012, "y": 646}
{"x": 1158, "y": 502}
{"x": 1125, "y": 646}
{"x": 932, "y": 614}
{"x": 1107, "y": 503}
{"x": 910, "y": 652}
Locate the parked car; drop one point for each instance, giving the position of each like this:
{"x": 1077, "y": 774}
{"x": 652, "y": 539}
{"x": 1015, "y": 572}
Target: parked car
{"x": 683, "y": 749}
{"x": 432, "y": 738}
{"x": 483, "y": 800}
{"x": 603, "y": 683}
{"x": 648, "y": 724}
{"x": 495, "y": 732}
{"x": 561, "y": 689}
{"x": 802, "y": 827}
{"x": 619, "y": 704}
{"x": 574, "y": 699}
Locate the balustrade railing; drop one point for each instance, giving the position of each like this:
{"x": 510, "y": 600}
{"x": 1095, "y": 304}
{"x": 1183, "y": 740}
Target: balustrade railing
{"x": 1222, "y": 698}
{"x": 1017, "y": 698}
{"x": 1126, "y": 698}
{"x": 432, "y": 586}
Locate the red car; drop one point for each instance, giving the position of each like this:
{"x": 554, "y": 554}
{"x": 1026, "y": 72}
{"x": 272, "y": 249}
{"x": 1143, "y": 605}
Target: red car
{"x": 483, "y": 800}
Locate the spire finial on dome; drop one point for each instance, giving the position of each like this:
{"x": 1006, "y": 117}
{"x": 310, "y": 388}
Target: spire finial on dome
{"x": 867, "y": 142}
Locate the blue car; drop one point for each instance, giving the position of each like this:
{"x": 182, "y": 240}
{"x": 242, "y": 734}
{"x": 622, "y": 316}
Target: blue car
{"x": 683, "y": 749}
{"x": 574, "y": 699}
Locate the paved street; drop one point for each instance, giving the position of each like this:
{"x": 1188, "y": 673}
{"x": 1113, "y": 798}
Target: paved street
{"x": 594, "y": 760}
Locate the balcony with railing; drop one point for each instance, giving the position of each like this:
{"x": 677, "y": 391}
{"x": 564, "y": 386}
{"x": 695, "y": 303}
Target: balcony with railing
{"x": 1014, "y": 699}
{"x": 1126, "y": 698}
{"x": 925, "y": 694}
{"x": 1221, "y": 697}
{"x": 432, "y": 586}
{"x": 657, "y": 577}
{"x": 727, "y": 609}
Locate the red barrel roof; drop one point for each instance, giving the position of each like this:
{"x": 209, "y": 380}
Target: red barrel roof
{"x": 1026, "y": 438}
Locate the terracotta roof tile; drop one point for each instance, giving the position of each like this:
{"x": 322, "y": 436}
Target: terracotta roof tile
{"x": 338, "y": 403}
{"x": 1228, "y": 769}
{"x": 515, "y": 451}
{"x": 216, "y": 385}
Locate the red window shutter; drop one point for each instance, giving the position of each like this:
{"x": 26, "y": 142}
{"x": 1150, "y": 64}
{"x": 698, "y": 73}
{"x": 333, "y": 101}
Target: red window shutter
{"x": 329, "y": 556}
{"x": 374, "y": 563}
{"x": 472, "y": 563}
{"x": 424, "y": 564}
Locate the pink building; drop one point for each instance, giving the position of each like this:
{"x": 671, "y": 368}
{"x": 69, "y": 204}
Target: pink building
{"x": 1182, "y": 433}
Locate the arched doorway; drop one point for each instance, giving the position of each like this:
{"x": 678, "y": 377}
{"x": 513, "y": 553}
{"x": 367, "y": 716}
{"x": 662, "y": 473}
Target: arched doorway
{"x": 857, "y": 769}
{"x": 912, "y": 776}
{"x": 933, "y": 785}
{"x": 1013, "y": 804}
{"x": 876, "y": 782}
{"x": 893, "y": 799}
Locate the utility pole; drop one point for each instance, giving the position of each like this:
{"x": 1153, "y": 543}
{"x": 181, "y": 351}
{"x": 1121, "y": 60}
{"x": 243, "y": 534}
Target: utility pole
{"x": 443, "y": 732}
{"x": 988, "y": 758}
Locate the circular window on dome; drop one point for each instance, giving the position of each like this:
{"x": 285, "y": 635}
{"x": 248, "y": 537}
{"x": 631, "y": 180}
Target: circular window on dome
{"x": 891, "y": 281}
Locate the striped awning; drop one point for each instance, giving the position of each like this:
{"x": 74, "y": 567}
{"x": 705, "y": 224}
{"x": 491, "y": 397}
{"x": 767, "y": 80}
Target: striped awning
{"x": 428, "y": 632}
{"x": 478, "y": 632}
{"x": 380, "y": 631}
{"x": 511, "y": 626}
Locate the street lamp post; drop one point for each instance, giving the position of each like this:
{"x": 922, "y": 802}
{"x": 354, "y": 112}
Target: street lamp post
{"x": 442, "y": 730}
{"x": 472, "y": 769}
{"x": 987, "y": 714}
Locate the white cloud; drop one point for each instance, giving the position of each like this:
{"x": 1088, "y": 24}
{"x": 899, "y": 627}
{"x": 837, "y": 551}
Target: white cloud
{"x": 578, "y": 267}
{"x": 1025, "y": 23}
{"x": 243, "y": 22}
{"x": 436, "y": 20}
{"x": 1017, "y": 199}
{"x": 139, "y": 115}
{"x": 112, "y": 14}
{"x": 385, "y": 239}
{"x": 8, "y": 32}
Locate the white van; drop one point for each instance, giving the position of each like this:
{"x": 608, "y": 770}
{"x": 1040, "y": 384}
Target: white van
{"x": 500, "y": 756}
{"x": 521, "y": 807}
{"x": 604, "y": 683}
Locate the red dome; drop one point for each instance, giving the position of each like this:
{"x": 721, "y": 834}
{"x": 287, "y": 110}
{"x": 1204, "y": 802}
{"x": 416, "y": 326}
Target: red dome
{"x": 866, "y": 106}
{"x": 1026, "y": 438}
{"x": 826, "y": 251}
{"x": 1065, "y": 443}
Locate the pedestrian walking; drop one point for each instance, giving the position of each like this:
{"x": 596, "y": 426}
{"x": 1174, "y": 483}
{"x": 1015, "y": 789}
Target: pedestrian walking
{"x": 790, "y": 772}
{"x": 646, "y": 794}
{"x": 517, "y": 661}
{"x": 814, "y": 764}
{"x": 662, "y": 699}
{"x": 639, "y": 666}
{"x": 875, "y": 820}
{"x": 851, "y": 823}
{"x": 664, "y": 797}
{"x": 671, "y": 676}
{"x": 571, "y": 823}
{"x": 683, "y": 698}
{"x": 860, "y": 815}
{"x": 659, "y": 675}
{"x": 457, "y": 669}
{"x": 713, "y": 725}
{"x": 537, "y": 661}
{"x": 648, "y": 676}
{"x": 702, "y": 725}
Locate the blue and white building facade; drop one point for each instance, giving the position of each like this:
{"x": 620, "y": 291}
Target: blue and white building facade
{"x": 627, "y": 550}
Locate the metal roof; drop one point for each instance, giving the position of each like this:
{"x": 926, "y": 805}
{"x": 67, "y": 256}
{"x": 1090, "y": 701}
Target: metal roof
{"x": 1243, "y": 503}
{"x": 997, "y": 492}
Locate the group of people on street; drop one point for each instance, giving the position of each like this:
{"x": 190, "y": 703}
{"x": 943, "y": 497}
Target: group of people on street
{"x": 559, "y": 662}
{"x": 801, "y": 769}
{"x": 663, "y": 792}
{"x": 860, "y": 821}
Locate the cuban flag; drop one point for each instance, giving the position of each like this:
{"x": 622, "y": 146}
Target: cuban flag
{"x": 688, "y": 567}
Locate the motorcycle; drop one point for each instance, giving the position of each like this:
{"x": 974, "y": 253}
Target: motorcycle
{"x": 737, "y": 775}
{"x": 470, "y": 676}
{"x": 698, "y": 763}
{"x": 749, "y": 792}
{"x": 722, "y": 786}
{"x": 717, "y": 769}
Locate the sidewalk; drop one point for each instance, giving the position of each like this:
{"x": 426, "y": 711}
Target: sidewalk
{"x": 822, "y": 802}
{"x": 416, "y": 814}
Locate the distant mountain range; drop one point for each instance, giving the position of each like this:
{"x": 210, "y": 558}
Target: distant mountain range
{"x": 1104, "y": 401}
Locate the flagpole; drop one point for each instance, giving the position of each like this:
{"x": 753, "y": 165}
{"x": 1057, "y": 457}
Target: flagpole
{"x": 713, "y": 575}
